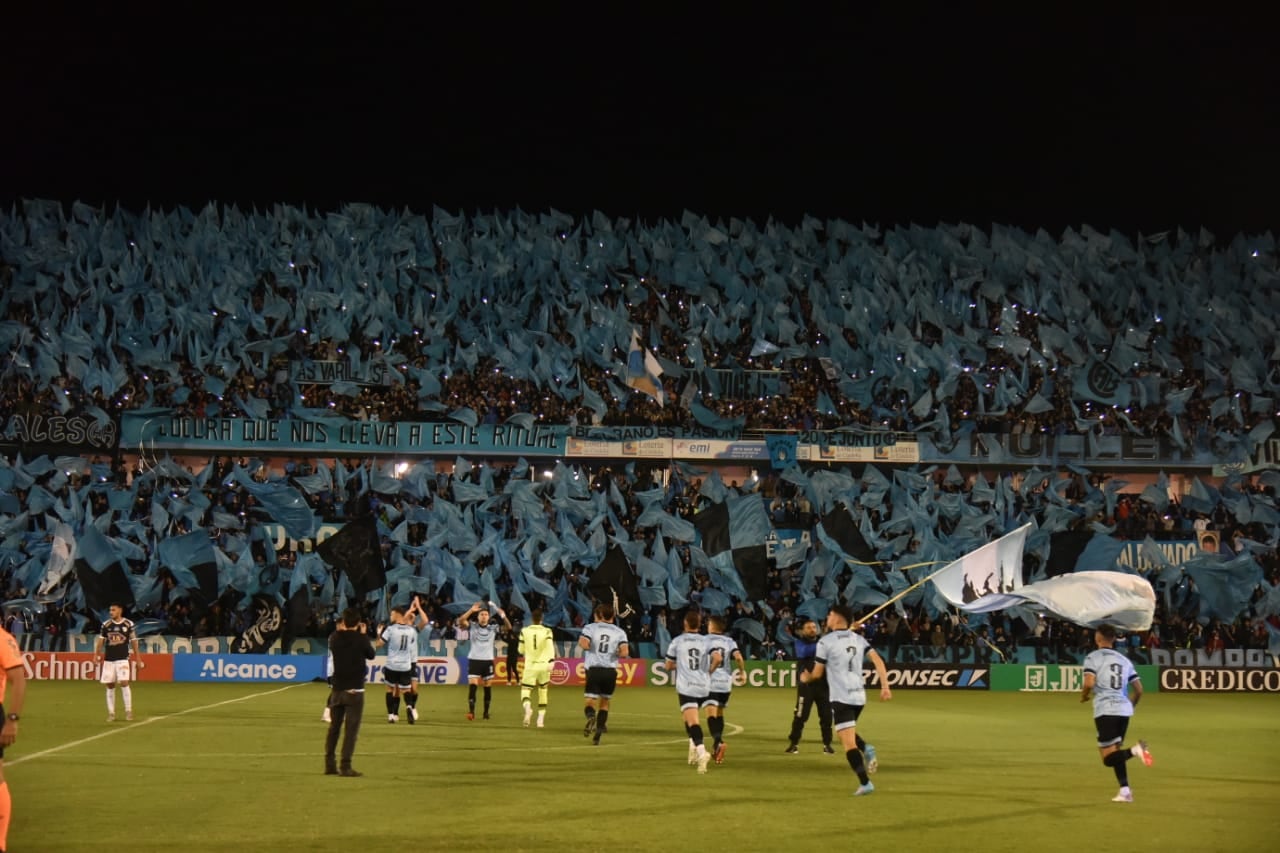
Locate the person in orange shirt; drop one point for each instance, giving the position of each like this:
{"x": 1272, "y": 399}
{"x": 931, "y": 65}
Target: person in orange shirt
{"x": 13, "y": 681}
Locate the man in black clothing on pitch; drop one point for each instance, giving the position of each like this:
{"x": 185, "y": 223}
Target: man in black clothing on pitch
{"x": 350, "y": 648}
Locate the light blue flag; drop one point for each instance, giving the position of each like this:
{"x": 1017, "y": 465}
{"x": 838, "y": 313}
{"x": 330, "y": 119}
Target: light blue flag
{"x": 284, "y": 504}
{"x": 815, "y": 609}
{"x": 713, "y": 421}
{"x": 748, "y": 521}
{"x": 1225, "y": 586}
{"x": 465, "y": 415}
{"x": 715, "y": 601}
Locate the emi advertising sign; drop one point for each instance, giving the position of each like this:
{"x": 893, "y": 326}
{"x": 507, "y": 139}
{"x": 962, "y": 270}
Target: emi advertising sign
{"x": 79, "y": 666}
{"x": 1179, "y": 679}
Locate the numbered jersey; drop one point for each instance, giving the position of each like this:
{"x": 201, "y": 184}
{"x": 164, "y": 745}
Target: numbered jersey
{"x": 402, "y": 647}
{"x": 841, "y": 653}
{"x": 1112, "y": 673}
{"x": 482, "y": 641}
{"x": 536, "y": 644}
{"x": 607, "y": 640}
{"x": 116, "y": 637}
{"x": 689, "y": 654}
{"x": 722, "y": 678}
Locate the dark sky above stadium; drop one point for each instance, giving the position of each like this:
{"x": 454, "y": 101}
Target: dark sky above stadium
{"x": 1137, "y": 121}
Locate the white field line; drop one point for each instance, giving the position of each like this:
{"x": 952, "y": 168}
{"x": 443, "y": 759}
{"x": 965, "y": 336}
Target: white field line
{"x": 148, "y": 721}
{"x": 732, "y": 728}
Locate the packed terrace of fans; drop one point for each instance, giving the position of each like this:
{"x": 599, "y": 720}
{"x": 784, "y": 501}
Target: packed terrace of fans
{"x": 933, "y": 331}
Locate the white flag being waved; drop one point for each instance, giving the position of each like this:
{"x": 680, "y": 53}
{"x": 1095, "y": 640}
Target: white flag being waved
{"x": 1091, "y": 599}
{"x": 994, "y": 568}
{"x": 990, "y": 579}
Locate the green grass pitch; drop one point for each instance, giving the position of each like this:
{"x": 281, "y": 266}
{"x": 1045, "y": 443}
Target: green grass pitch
{"x": 239, "y": 767}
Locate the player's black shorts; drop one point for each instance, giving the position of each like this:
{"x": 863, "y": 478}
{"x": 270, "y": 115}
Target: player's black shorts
{"x": 601, "y": 682}
{"x": 718, "y": 699}
{"x": 482, "y": 669}
{"x": 398, "y": 677}
{"x": 1111, "y": 729}
{"x": 843, "y": 716}
{"x": 690, "y": 701}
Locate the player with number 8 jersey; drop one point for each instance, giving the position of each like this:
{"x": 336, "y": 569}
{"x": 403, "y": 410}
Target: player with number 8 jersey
{"x": 603, "y": 644}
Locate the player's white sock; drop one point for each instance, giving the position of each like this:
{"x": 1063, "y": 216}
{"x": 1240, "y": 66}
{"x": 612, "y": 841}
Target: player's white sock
{"x": 542, "y": 717}
{"x": 702, "y": 749}
{"x": 126, "y": 693}
{"x": 111, "y": 700}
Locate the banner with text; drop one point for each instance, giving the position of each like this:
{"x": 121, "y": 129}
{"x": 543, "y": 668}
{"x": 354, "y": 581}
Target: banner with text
{"x": 80, "y": 666}
{"x": 223, "y": 668}
{"x": 1041, "y": 449}
{"x": 1179, "y": 679}
{"x": 315, "y": 438}
{"x": 1055, "y": 678}
{"x": 166, "y": 644}
{"x": 59, "y": 435}
{"x": 782, "y": 673}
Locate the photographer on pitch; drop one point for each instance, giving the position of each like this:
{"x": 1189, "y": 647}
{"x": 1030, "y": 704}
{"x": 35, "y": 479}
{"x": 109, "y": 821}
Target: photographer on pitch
{"x": 351, "y": 648}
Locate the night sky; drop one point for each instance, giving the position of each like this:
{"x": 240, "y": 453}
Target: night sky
{"x": 1118, "y": 120}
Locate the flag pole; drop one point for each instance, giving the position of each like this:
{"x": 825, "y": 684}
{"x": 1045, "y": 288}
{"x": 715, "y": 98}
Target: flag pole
{"x": 902, "y": 594}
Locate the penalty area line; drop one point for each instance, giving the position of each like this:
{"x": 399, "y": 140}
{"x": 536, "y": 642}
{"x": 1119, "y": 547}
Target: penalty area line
{"x": 148, "y": 721}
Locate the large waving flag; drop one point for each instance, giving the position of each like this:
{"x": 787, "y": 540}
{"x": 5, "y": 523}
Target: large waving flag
{"x": 643, "y": 371}
{"x": 994, "y": 568}
{"x": 1090, "y": 599}
{"x": 733, "y": 536}
{"x": 356, "y": 550}
{"x": 1086, "y": 598}
{"x": 615, "y": 581}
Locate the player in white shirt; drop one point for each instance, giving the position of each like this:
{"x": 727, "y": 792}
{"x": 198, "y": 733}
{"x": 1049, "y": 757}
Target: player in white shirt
{"x": 693, "y": 662}
{"x": 602, "y": 643}
{"x": 721, "y": 682}
{"x": 1112, "y": 682}
{"x": 839, "y": 657}
{"x": 401, "y": 669}
{"x": 482, "y": 636}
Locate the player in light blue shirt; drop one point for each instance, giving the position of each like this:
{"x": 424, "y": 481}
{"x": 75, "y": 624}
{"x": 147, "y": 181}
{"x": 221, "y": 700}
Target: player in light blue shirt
{"x": 482, "y": 634}
{"x": 400, "y": 671}
{"x": 839, "y": 657}
{"x": 1113, "y": 684}
{"x": 602, "y": 643}
{"x": 720, "y": 682}
{"x": 693, "y": 663}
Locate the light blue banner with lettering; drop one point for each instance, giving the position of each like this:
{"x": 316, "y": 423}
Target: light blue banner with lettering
{"x": 319, "y": 438}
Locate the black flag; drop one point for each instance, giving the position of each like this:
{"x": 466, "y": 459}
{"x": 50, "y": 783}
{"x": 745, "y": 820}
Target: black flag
{"x": 614, "y": 581}
{"x": 840, "y": 526}
{"x": 355, "y": 549}
{"x": 104, "y": 588}
{"x": 268, "y": 622}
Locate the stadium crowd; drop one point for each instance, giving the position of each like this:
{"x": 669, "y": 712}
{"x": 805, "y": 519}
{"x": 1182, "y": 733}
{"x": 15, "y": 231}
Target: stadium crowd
{"x": 930, "y": 331}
